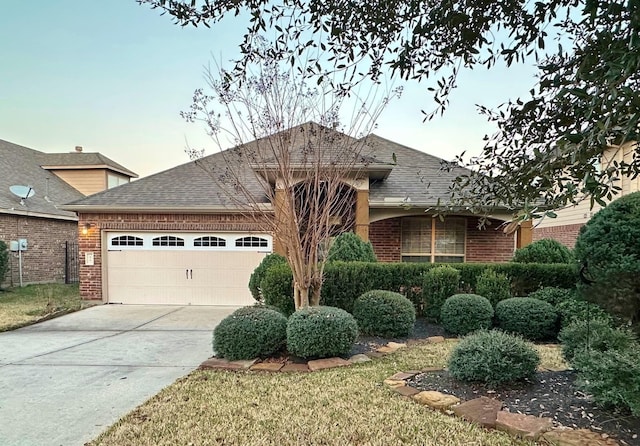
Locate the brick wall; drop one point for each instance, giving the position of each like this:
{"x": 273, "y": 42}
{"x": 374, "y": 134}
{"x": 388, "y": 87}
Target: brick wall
{"x": 384, "y": 235}
{"x": 566, "y": 234}
{"x": 489, "y": 244}
{"x": 44, "y": 259}
{"x": 91, "y": 276}
{"x": 483, "y": 245}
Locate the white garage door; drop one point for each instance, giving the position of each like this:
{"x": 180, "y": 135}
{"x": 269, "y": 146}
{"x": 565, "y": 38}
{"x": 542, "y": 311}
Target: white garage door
{"x": 183, "y": 268}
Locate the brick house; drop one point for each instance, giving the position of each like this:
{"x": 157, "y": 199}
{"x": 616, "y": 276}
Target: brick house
{"x": 51, "y": 233}
{"x": 174, "y": 238}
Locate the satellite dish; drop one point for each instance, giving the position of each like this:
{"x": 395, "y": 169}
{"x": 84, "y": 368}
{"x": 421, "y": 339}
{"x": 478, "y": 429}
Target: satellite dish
{"x": 22, "y": 192}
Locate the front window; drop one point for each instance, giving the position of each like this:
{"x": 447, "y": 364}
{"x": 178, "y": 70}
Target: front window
{"x": 428, "y": 239}
{"x": 116, "y": 180}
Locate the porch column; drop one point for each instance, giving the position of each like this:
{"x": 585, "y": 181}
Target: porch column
{"x": 362, "y": 214}
{"x": 278, "y": 205}
{"x": 525, "y": 234}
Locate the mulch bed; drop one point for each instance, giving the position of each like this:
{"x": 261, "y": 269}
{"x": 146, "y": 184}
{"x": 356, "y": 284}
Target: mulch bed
{"x": 549, "y": 394}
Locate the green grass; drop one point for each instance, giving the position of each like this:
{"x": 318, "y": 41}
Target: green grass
{"x": 26, "y": 305}
{"x": 344, "y": 406}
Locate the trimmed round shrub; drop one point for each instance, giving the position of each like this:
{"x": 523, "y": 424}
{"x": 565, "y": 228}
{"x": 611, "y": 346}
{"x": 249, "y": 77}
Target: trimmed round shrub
{"x": 493, "y": 357}
{"x": 463, "y": 313}
{"x": 250, "y": 332}
{"x": 595, "y": 335}
{"x": 575, "y": 310}
{"x": 608, "y": 243}
{"x": 439, "y": 284}
{"x": 493, "y": 286}
{"x": 349, "y": 247}
{"x": 554, "y": 295}
{"x": 321, "y": 332}
{"x": 531, "y": 318}
{"x": 384, "y": 313}
{"x": 544, "y": 251}
{"x": 277, "y": 288}
{"x": 259, "y": 273}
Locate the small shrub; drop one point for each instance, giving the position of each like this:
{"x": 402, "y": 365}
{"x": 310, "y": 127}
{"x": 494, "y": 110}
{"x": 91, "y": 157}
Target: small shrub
{"x": 321, "y": 332}
{"x": 493, "y": 286}
{"x": 439, "y": 284}
{"x": 554, "y": 295}
{"x": 544, "y": 251}
{"x": 493, "y": 357}
{"x": 250, "y": 332}
{"x": 4, "y": 261}
{"x": 384, "y": 313}
{"x": 349, "y": 247}
{"x": 277, "y": 288}
{"x": 595, "y": 335}
{"x": 531, "y": 318}
{"x": 612, "y": 377}
{"x": 574, "y": 310}
{"x": 463, "y": 313}
{"x": 259, "y": 273}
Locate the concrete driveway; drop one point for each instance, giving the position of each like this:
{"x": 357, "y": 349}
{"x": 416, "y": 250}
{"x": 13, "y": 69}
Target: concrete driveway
{"x": 64, "y": 381}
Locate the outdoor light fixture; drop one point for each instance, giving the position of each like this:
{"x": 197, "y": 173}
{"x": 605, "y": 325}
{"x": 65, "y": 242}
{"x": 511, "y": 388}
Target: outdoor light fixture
{"x": 85, "y": 228}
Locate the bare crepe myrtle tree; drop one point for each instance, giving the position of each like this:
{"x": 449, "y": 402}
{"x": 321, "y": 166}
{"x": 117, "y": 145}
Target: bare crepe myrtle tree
{"x": 293, "y": 168}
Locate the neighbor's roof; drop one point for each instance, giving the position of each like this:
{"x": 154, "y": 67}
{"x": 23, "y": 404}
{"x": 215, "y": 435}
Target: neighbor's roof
{"x": 196, "y": 186}
{"x": 22, "y": 166}
{"x": 84, "y": 160}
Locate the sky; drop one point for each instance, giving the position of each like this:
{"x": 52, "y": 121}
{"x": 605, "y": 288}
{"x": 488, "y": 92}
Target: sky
{"x": 112, "y": 77}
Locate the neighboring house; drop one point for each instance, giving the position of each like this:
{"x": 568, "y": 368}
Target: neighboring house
{"x": 174, "y": 238}
{"x": 566, "y": 226}
{"x": 51, "y": 233}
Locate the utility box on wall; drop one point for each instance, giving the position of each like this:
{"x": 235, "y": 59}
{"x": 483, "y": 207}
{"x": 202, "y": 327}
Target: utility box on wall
{"x": 19, "y": 245}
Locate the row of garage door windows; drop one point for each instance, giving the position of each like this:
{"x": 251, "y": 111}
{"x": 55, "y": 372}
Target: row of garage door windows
{"x": 205, "y": 241}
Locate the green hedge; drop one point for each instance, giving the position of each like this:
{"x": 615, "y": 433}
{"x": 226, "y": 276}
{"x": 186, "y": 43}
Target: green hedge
{"x": 4, "y": 261}
{"x": 345, "y": 281}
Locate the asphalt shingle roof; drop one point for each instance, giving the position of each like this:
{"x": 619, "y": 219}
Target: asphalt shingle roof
{"x": 84, "y": 159}
{"x": 22, "y": 166}
{"x": 196, "y": 185}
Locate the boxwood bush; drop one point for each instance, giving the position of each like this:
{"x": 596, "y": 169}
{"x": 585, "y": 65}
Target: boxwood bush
{"x": 493, "y": 286}
{"x": 464, "y": 313}
{"x": 384, "y": 313}
{"x": 554, "y": 295}
{"x": 594, "y": 335}
{"x": 544, "y": 251}
{"x": 531, "y": 318}
{"x": 277, "y": 288}
{"x": 250, "y": 332}
{"x": 493, "y": 357}
{"x": 349, "y": 247}
{"x": 321, "y": 332}
{"x": 259, "y": 273}
{"x": 439, "y": 284}
{"x": 574, "y": 310}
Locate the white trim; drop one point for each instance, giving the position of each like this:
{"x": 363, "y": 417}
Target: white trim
{"x": 189, "y": 238}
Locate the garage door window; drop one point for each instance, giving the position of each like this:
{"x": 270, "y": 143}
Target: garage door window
{"x": 209, "y": 241}
{"x": 168, "y": 240}
{"x": 126, "y": 240}
{"x": 252, "y": 242}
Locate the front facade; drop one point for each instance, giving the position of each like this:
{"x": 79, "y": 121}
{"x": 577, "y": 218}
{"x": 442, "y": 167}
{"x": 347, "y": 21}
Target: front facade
{"x": 173, "y": 238}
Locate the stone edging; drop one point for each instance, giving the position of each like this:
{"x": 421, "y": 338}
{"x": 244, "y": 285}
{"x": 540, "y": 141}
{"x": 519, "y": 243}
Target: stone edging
{"x": 488, "y": 413}
{"x": 310, "y": 366}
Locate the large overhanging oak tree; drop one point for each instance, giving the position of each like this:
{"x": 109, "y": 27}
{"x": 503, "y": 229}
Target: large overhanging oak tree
{"x": 546, "y": 152}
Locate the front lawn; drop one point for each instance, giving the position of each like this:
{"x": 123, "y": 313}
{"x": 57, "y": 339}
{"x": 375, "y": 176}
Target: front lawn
{"x": 341, "y": 406}
{"x": 26, "y": 305}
